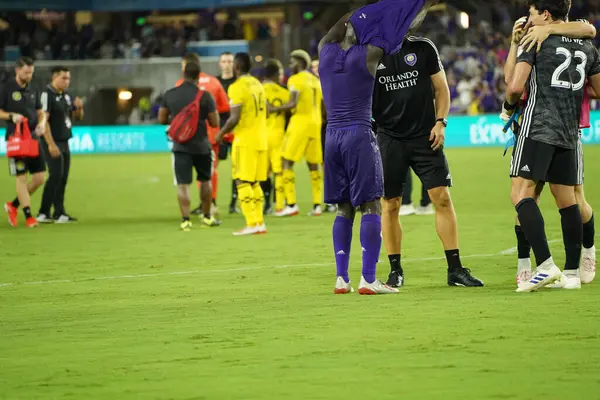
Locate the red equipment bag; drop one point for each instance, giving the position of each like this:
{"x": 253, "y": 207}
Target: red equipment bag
{"x": 185, "y": 124}
{"x": 21, "y": 144}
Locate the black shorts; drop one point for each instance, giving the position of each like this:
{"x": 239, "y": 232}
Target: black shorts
{"x": 23, "y": 165}
{"x": 398, "y": 156}
{"x": 542, "y": 162}
{"x": 185, "y": 163}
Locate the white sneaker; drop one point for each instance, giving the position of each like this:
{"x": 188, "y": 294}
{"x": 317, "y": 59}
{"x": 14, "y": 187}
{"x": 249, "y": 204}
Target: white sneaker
{"x": 587, "y": 268}
{"x": 568, "y": 280}
{"x": 341, "y": 287}
{"x": 288, "y": 211}
{"x": 545, "y": 274}
{"x": 407, "y": 209}
{"x": 44, "y": 219}
{"x": 316, "y": 212}
{"x": 374, "y": 288}
{"x": 427, "y": 210}
{"x": 523, "y": 277}
{"x": 261, "y": 229}
{"x": 214, "y": 211}
{"x": 249, "y": 230}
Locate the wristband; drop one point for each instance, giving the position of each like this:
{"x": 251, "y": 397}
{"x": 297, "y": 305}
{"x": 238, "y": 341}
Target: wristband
{"x": 444, "y": 121}
{"x": 508, "y": 106}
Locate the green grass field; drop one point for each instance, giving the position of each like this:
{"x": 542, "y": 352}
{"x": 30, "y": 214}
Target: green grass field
{"x": 123, "y": 305}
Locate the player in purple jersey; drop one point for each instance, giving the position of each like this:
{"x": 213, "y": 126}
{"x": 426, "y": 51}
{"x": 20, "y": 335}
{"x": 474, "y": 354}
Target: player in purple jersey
{"x": 349, "y": 55}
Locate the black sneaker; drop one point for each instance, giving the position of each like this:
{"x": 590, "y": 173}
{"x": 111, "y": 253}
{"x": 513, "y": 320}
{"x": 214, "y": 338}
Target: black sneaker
{"x": 330, "y": 208}
{"x": 197, "y": 211}
{"x": 395, "y": 279}
{"x": 463, "y": 277}
{"x": 233, "y": 209}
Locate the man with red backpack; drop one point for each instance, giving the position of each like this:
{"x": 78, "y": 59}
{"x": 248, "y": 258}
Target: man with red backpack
{"x": 21, "y": 107}
{"x": 187, "y": 108}
{"x": 213, "y": 86}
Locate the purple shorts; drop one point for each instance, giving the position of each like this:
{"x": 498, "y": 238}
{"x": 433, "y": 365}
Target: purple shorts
{"x": 353, "y": 168}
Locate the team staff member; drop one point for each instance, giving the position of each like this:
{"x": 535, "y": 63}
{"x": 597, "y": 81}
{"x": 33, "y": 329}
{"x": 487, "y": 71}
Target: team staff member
{"x": 248, "y": 121}
{"x": 227, "y": 78}
{"x": 19, "y": 100}
{"x": 276, "y": 95}
{"x": 213, "y": 86}
{"x": 195, "y": 153}
{"x": 410, "y": 104}
{"x": 303, "y": 137}
{"x": 60, "y": 109}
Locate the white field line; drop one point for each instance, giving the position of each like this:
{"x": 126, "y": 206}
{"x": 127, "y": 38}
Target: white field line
{"x": 509, "y": 251}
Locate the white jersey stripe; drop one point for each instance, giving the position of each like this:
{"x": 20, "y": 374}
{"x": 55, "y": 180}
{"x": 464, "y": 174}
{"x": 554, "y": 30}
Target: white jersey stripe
{"x": 426, "y": 40}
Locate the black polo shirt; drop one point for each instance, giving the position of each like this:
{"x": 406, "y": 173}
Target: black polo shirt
{"x": 59, "y": 107}
{"x": 19, "y": 100}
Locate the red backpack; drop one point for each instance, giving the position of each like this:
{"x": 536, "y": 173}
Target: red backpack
{"x": 185, "y": 124}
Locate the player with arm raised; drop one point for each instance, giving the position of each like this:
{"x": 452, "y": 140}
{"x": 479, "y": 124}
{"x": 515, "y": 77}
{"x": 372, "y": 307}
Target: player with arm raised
{"x": 546, "y": 148}
{"x": 349, "y": 55}
{"x": 303, "y": 137}
{"x": 580, "y": 29}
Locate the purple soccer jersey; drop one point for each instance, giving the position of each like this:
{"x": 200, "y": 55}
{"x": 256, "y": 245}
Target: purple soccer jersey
{"x": 384, "y": 24}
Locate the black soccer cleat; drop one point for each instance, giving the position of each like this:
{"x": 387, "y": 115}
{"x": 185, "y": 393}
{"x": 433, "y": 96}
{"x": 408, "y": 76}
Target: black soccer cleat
{"x": 463, "y": 277}
{"x": 395, "y": 279}
{"x": 197, "y": 211}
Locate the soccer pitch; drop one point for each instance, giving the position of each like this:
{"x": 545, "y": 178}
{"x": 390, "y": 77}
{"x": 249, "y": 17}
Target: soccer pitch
{"x": 123, "y": 305}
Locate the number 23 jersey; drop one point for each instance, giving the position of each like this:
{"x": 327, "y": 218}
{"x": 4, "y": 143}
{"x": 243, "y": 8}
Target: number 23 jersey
{"x": 251, "y": 130}
{"x": 556, "y": 88}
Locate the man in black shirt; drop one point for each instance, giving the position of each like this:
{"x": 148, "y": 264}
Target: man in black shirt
{"x": 60, "y": 109}
{"x": 546, "y": 148}
{"x": 18, "y": 101}
{"x": 226, "y": 78}
{"x": 196, "y": 153}
{"x": 410, "y": 105}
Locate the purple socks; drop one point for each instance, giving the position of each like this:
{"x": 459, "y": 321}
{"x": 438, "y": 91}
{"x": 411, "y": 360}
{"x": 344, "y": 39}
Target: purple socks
{"x": 370, "y": 240}
{"x": 342, "y": 240}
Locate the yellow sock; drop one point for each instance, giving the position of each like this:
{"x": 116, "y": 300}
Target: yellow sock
{"x": 259, "y": 203}
{"x": 246, "y": 198}
{"x": 289, "y": 186}
{"x": 279, "y": 192}
{"x": 317, "y": 188}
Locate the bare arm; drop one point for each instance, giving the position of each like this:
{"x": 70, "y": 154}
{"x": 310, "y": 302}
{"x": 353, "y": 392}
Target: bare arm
{"x": 594, "y": 88}
{"x": 163, "y": 116}
{"x": 442, "y": 94}
{"x": 539, "y": 34}
{"x": 294, "y": 95}
{"x": 232, "y": 121}
{"x": 592, "y": 93}
{"x": 213, "y": 119}
{"x": 516, "y": 87}
{"x": 336, "y": 33}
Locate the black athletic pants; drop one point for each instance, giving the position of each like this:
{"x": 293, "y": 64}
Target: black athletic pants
{"x": 54, "y": 191}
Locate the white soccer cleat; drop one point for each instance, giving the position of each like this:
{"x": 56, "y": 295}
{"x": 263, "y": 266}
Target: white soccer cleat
{"x": 44, "y": 219}
{"x": 427, "y": 210}
{"x": 374, "y": 288}
{"x": 261, "y": 229}
{"x": 545, "y": 274}
{"x": 249, "y": 230}
{"x": 407, "y": 209}
{"x": 341, "y": 287}
{"x": 316, "y": 212}
{"x": 288, "y": 211}
{"x": 568, "y": 280}
{"x": 523, "y": 276}
{"x": 587, "y": 268}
